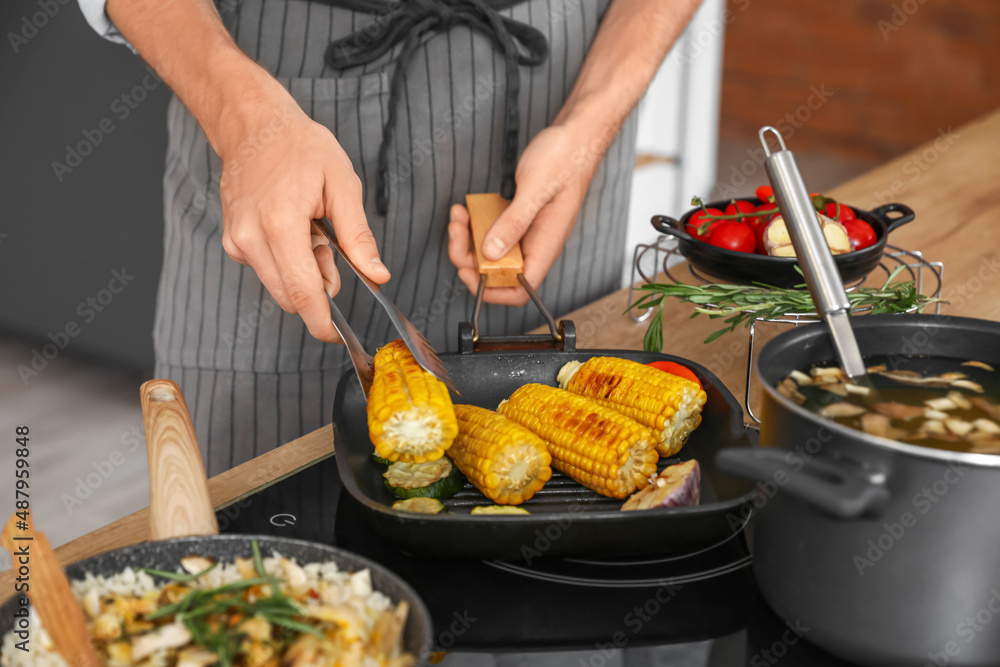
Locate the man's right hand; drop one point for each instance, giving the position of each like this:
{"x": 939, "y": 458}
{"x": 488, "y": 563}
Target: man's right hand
{"x": 280, "y": 171}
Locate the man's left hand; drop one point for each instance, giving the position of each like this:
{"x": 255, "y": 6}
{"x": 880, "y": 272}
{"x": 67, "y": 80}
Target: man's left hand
{"x": 552, "y": 178}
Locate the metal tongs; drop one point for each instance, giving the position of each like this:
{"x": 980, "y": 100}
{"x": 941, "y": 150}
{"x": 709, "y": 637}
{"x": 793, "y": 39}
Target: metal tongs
{"x": 363, "y": 362}
{"x": 813, "y": 253}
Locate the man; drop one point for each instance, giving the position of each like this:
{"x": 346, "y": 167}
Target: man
{"x": 380, "y": 115}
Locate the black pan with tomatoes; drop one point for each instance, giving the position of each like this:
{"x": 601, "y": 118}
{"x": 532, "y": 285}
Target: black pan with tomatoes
{"x": 724, "y": 239}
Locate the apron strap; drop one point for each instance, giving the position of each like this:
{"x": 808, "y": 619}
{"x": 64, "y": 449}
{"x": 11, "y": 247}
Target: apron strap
{"x": 520, "y": 44}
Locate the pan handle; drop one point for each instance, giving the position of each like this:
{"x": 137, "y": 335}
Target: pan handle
{"x": 484, "y": 210}
{"x": 830, "y": 487}
{"x": 508, "y": 271}
{"x": 670, "y": 226}
{"x": 179, "y": 502}
{"x": 891, "y": 224}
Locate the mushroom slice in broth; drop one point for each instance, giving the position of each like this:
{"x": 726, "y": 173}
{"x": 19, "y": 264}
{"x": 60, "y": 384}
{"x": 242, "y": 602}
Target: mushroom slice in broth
{"x": 928, "y": 401}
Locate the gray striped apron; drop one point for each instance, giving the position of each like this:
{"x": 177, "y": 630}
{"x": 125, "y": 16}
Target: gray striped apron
{"x": 253, "y": 376}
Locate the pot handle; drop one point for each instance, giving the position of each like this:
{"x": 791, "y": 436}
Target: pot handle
{"x": 179, "y": 502}
{"x": 670, "y": 226}
{"x": 839, "y": 492}
{"x": 891, "y": 224}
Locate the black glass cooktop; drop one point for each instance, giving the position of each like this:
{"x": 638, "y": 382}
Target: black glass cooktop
{"x": 555, "y": 603}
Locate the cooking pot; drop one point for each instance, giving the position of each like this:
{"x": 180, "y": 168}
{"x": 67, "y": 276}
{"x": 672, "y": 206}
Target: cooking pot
{"x": 888, "y": 553}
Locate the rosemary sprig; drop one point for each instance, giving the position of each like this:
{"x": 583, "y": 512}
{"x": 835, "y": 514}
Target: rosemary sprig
{"x": 742, "y": 304}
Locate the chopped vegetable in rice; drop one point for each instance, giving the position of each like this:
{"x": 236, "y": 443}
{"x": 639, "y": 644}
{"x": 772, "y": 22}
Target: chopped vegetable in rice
{"x": 255, "y": 612}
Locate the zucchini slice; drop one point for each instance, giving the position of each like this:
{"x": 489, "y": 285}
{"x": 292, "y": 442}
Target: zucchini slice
{"x": 433, "y": 479}
{"x": 420, "y": 505}
{"x": 499, "y": 509}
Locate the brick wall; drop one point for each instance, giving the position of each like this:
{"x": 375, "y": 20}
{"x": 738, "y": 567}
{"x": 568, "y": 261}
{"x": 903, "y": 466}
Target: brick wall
{"x": 897, "y": 71}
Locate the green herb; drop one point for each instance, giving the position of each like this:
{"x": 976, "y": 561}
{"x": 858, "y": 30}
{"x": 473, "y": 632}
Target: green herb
{"x": 742, "y": 304}
{"x": 177, "y": 577}
{"x": 196, "y": 597}
{"x": 258, "y": 560}
{"x": 197, "y": 606}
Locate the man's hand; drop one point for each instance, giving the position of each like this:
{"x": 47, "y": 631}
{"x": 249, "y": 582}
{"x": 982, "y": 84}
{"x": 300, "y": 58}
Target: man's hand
{"x": 552, "y": 178}
{"x": 282, "y": 172}
{"x": 557, "y": 166}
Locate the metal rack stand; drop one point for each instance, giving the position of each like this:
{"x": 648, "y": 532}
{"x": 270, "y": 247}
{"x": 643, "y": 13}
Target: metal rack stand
{"x": 649, "y": 260}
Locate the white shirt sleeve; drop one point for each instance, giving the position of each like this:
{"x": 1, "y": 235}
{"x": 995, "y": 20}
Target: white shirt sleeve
{"x": 97, "y": 17}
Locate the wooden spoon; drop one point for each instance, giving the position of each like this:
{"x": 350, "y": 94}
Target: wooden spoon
{"x": 179, "y": 502}
{"x": 50, "y": 592}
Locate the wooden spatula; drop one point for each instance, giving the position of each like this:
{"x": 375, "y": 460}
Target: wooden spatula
{"x": 49, "y": 592}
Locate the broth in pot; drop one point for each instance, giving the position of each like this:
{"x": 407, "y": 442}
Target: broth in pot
{"x": 929, "y": 401}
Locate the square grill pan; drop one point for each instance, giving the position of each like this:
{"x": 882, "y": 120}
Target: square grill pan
{"x": 565, "y": 518}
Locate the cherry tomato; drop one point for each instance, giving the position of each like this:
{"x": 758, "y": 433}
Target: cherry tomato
{"x": 696, "y": 221}
{"x": 767, "y": 208}
{"x": 765, "y": 193}
{"x": 759, "y": 223}
{"x": 839, "y": 212}
{"x": 733, "y": 235}
{"x": 740, "y": 206}
{"x": 860, "y": 232}
{"x": 674, "y": 368}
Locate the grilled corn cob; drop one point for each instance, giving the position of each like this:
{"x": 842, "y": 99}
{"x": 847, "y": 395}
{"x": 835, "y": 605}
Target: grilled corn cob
{"x": 598, "y": 447}
{"x": 668, "y": 405}
{"x": 410, "y": 415}
{"x": 504, "y": 460}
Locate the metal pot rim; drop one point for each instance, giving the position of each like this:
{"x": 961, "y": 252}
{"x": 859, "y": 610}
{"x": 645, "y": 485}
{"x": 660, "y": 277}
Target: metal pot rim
{"x": 943, "y": 455}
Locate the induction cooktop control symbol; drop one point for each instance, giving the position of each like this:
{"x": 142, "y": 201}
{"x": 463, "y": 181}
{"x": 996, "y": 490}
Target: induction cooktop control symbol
{"x": 283, "y": 520}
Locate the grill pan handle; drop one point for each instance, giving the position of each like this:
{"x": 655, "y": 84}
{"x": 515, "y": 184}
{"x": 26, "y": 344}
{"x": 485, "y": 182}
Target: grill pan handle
{"x": 484, "y": 209}
{"x": 839, "y": 492}
{"x": 508, "y": 271}
{"x": 179, "y": 502}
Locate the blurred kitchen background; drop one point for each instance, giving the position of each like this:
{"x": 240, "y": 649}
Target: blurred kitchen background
{"x": 855, "y": 83}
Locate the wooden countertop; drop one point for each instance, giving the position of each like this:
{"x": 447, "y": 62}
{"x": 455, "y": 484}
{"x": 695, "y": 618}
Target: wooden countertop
{"x": 951, "y": 183}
